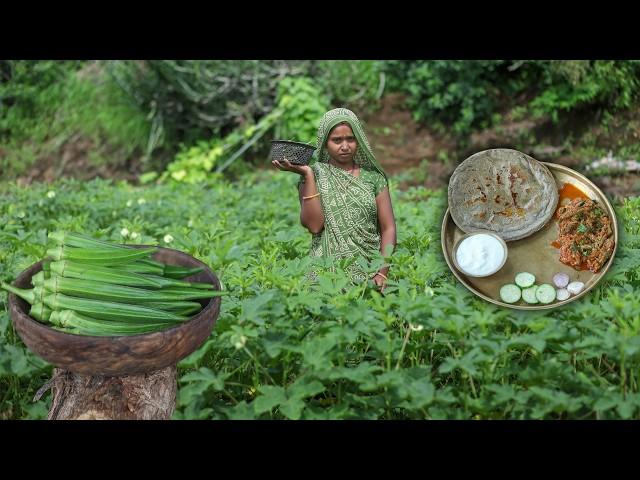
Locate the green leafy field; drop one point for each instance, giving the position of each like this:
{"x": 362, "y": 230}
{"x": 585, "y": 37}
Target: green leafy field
{"x": 284, "y": 348}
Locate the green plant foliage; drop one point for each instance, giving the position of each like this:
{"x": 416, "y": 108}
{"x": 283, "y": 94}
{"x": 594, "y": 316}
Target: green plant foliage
{"x": 463, "y": 95}
{"x": 601, "y": 83}
{"x": 189, "y": 100}
{"x": 45, "y": 104}
{"x": 299, "y": 108}
{"x": 302, "y": 105}
{"x": 286, "y": 348}
{"x": 457, "y": 94}
{"x": 356, "y": 84}
{"x": 195, "y": 164}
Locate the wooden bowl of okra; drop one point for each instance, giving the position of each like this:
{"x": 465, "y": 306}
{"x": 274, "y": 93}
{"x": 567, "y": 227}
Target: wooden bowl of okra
{"x": 118, "y": 355}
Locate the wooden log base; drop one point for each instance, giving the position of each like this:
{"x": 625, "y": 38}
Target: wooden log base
{"x": 150, "y": 396}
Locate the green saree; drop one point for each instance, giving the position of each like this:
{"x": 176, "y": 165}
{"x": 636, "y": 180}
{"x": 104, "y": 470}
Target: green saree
{"x": 348, "y": 203}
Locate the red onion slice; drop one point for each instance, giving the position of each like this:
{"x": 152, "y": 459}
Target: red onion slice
{"x": 561, "y": 280}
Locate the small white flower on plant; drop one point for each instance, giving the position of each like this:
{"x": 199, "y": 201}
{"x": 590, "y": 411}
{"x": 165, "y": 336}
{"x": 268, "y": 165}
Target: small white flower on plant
{"x": 141, "y": 201}
{"x": 124, "y": 232}
{"x": 415, "y": 328}
{"x": 21, "y": 214}
{"x": 129, "y": 203}
{"x": 240, "y": 343}
{"x": 51, "y": 194}
{"x": 168, "y": 238}
{"x": 134, "y": 235}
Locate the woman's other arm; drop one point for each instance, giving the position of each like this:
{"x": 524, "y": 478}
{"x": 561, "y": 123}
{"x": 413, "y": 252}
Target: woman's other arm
{"x": 387, "y": 224}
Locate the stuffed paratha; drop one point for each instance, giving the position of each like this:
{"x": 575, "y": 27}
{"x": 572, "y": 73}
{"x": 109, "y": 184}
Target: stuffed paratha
{"x": 502, "y": 190}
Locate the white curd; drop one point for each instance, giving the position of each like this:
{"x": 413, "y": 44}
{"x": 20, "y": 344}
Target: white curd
{"x": 480, "y": 254}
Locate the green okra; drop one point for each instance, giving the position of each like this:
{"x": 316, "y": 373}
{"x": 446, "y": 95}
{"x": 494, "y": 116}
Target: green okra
{"x": 31, "y": 296}
{"x": 112, "y": 292}
{"x": 40, "y": 312}
{"x": 111, "y": 310}
{"x": 102, "y": 257}
{"x": 75, "y": 322}
{"x": 69, "y": 269}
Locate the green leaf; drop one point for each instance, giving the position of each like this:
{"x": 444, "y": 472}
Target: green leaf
{"x": 207, "y": 378}
{"x": 626, "y": 409}
{"x": 607, "y": 402}
{"x": 292, "y": 408}
{"x": 303, "y": 388}
{"x": 271, "y": 396}
{"x": 241, "y": 411}
{"x": 194, "y": 359}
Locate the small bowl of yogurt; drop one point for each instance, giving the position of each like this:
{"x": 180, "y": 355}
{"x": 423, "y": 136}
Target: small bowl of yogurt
{"x": 480, "y": 254}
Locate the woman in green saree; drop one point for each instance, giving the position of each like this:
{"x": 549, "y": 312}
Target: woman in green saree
{"x": 344, "y": 196}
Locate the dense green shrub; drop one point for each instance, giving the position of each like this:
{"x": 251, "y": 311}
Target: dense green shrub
{"x": 299, "y": 107}
{"x": 195, "y": 100}
{"x": 601, "y": 84}
{"x": 457, "y": 94}
{"x": 302, "y": 105}
{"x": 44, "y": 104}
{"x": 190, "y": 100}
{"x": 30, "y": 88}
{"x": 469, "y": 94}
{"x": 354, "y": 84}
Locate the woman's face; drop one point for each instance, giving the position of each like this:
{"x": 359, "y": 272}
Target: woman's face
{"x": 342, "y": 145}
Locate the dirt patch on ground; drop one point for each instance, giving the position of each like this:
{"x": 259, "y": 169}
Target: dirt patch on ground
{"x": 72, "y": 159}
{"x": 619, "y": 187}
{"x": 401, "y": 144}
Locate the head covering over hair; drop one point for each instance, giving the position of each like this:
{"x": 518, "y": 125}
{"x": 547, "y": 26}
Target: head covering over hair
{"x": 364, "y": 156}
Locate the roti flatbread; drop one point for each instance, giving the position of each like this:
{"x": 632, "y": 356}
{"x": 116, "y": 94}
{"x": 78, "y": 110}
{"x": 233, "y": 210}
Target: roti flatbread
{"x": 504, "y": 191}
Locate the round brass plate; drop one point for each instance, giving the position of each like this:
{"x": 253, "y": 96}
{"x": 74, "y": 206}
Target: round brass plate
{"x": 533, "y": 254}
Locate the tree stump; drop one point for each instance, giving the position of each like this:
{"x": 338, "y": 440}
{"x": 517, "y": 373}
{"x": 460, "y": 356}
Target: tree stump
{"x": 150, "y": 396}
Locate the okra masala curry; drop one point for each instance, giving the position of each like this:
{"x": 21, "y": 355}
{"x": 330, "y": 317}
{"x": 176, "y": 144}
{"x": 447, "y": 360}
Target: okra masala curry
{"x": 585, "y": 235}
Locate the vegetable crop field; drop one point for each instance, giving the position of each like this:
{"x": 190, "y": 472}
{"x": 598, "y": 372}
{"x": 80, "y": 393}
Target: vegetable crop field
{"x": 285, "y": 347}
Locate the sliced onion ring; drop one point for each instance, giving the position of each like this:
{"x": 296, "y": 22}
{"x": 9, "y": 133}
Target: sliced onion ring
{"x": 561, "y": 280}
{"x": 575, "y": 288}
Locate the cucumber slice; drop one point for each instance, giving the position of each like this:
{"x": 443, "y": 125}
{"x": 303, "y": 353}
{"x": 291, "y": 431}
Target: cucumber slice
{"x": 511, "y": 293}
{"x": 545, "y": 293}
{"x": 525, "y": 279}
{"x": 529, "y": 294}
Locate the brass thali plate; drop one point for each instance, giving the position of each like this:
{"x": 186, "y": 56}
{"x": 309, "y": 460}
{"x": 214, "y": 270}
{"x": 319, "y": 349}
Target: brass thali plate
{"x": 535, "y": 253}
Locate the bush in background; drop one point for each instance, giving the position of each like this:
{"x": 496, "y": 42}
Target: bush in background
{"x": 303, "y": 104}
{"x": 456, "y": 94}
{"x": 45, "y": 104}
{"x": 601, "y": 84}
{"x": 463, "y": 95}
